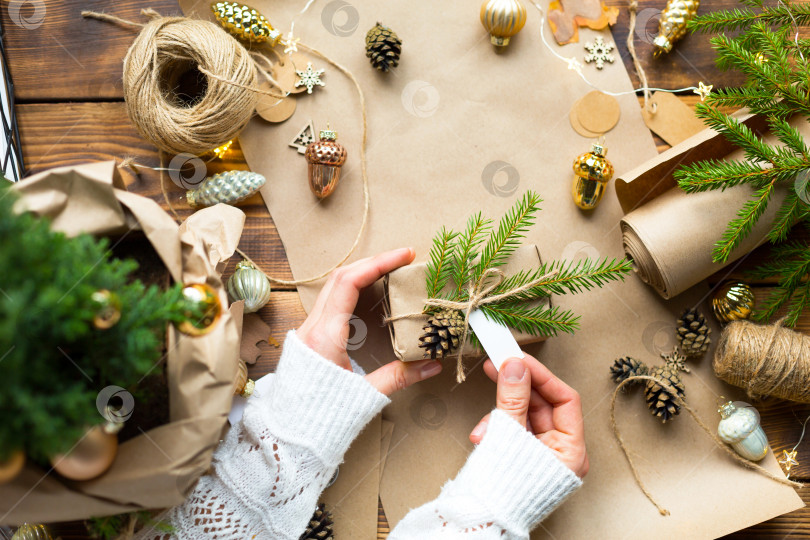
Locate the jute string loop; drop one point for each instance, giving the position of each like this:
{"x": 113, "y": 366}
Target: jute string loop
{"x": 478, "y": 294}
{"x": 765, "y": 360}
{"x": 631, "y": 46}
{"x": 712, "y": 435}
{"x": 168, "y": 46}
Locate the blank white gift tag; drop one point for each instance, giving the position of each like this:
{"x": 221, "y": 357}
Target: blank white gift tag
{"x": 496, "y": 338}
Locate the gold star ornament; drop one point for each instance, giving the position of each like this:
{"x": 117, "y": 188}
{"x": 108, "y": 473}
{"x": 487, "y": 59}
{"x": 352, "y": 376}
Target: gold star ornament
{"x": 703, "y": 91}
{"x": 789, "y": 460}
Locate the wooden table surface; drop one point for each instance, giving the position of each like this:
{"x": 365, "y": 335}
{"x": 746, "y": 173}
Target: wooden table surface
{"x": 67, "y": 76}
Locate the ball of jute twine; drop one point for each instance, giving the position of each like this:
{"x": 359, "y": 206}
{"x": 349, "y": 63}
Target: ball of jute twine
{"x": 164, "y": 50}
{"x": 765, "y": 360}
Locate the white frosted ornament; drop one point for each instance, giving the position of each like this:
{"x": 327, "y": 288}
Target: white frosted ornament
{"x": 248, "y": 283}
{"x": 739, "y": 427}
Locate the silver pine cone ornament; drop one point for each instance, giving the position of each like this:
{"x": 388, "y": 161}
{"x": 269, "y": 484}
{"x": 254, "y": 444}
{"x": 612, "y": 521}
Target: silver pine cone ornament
{"x": 442, "y": 333}
{"x": 383, "y": 47}
{"x": 320, "y": 525}
{"x": 693, "y": 333}
{"x": 228, "y": 187}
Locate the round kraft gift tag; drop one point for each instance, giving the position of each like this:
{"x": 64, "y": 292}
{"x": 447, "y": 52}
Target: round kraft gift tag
{"x": 573, "y": 117}
{"x": 598, "y": 112}
{"x": 286, "y": 75}
{"x": 274, "y": 109}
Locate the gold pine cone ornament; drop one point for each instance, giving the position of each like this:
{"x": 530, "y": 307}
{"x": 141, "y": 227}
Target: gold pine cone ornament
{"x": 672, "y": 25}
{"x": 502, "y": 19}
{"x": 325, "y": 157}
{"x": 250, "y": 284}
{"x": 229, "y": 187}
{"x": 593, "y": 172}
{"x": 245, "y": 22}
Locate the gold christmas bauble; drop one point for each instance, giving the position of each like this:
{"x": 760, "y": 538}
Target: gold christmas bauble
{"x": 502, "y": 19}
{"x": 245, "y": 22}
{"x": 108, "y": 308}
{"x": 243, "y": 385}
{"x": 733, "y": 301}
{"x": 672, "y": 25}
{"x": 205, "y": 301}
{"x": 30, "y": 531}
{"x": 11, "y": 467}
{"x": 593, "y": 172}
{"x": 325, "y": 157}
{"x": 90, "y": 458}
{"x": 250, "y": 284}
{"x": 229, "y": 187}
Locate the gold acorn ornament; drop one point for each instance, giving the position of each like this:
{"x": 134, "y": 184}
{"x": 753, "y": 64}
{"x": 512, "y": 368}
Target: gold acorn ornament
{"x": 733, "y": 301}
{"x": 245, "y": 22}
{"x": 593, "y": 172}
{"x": 203, "y": 311}
{"x": 672, "y": 25}
{"x": 250, "y": 284}
{"x": 243, "y": 385}
{"x": 502, "y": 19}
{"x": 229, "y": 187}
{"x": 11, "y": 467}
{"x": 739, "y": 427}
{"x": 325, "y": 157}
{"x": 90, "y": 457}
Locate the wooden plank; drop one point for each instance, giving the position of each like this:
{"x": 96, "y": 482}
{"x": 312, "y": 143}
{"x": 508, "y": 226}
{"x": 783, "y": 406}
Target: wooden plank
{"x": 56, "y": 54}
{"x": 55, "y": 135}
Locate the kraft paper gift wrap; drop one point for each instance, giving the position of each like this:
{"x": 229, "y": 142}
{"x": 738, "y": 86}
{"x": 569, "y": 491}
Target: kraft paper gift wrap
{"x": 158, "y": 468}
{"x": 459, "y": 128}
{"x": 670, "y": 234}
{"x": 405, "y": 294}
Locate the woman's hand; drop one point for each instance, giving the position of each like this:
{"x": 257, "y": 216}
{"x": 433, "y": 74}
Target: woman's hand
{"x": 326, "y": 329}
{"x": 549, "y": 408}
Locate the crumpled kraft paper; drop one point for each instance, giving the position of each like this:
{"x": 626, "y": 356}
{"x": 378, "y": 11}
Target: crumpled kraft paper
{"x": 670, "y": 234}
{"x": 454, "y": 129}
{"x": 405, "y": 294}
{"x": 158, "y": 468}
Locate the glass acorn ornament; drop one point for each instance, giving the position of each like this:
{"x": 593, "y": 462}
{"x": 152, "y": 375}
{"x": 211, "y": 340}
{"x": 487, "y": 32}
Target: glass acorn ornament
{"x": 203, "y": 311}
{"x": 733, "y": 301}
{"x": 250, "y": 284}
{"x": 245, "y": 22}
{"x": 672, "y": 25}
{"x": 593, "y": 172}
{"x": 325, "y": 157}
{"x": 739, "y": 428}
{"x": 502, "y": 19}
{"x": 229, "y": 187}
{"x": 243, "y": 385}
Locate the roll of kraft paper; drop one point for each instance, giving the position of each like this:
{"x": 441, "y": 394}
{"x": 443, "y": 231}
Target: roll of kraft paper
{"x": 670, "y": 234}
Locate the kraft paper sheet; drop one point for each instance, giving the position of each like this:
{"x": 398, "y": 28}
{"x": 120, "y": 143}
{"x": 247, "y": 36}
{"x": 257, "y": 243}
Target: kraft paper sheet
{"x": 455, "y": 129}
{"x": 670, "y": 238}
{"x": 158, "y": 468}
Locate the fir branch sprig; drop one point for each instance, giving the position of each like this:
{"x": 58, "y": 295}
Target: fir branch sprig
{"x": 777, "y": 69}
{"x": 460, "y": 261}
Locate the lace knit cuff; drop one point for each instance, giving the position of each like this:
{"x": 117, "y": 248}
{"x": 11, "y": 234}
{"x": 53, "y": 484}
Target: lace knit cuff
{"x": 315, "y": 404}
{"x": 515, "y": 475}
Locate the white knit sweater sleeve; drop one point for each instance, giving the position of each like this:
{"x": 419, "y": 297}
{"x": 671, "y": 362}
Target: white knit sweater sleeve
{"x": 273, "y": 465}
{"x": 510, "y": 483}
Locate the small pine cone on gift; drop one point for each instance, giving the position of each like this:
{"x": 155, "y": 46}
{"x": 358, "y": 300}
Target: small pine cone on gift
{"x": 693, "y": 333}
{"x": 320, "y": 525}
{"x": 383, "y": 47}
{"x": 660, "y": 400}
{"x": 442, "y": 333}
{"x": 626, "y": 367}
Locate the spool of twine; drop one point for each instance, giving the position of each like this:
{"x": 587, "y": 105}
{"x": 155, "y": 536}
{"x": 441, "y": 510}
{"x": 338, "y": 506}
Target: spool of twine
{"x": 189, "y": 86}
{"x": 765, "y": 360}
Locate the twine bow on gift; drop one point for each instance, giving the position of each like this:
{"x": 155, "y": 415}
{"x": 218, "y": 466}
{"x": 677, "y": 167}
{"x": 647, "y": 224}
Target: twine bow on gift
{"x": 478, "y": 294}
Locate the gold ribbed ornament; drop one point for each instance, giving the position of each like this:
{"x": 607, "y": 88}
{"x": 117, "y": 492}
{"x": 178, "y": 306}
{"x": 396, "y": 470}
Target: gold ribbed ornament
{"x": 733, "y": 301}
{"x": 245, "y": 22}
{"x": 243, "y": 385}
{"x": 250, "y": 284}
{"x": 593, "y": 172}
{"x": 229, "y": 187}
{"x": 205, "y": 310}
{"x": 30, "y": 531}
{"x": 672, "y": 25}
{"x": 502, "y": 19}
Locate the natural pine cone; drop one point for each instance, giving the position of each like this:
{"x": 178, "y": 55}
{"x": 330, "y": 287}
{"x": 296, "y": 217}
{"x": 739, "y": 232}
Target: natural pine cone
{"x": 442, "y": 333}
{"x": 626, "y": 367}
{"x": 383, "y": 47}
{"x": 693, "y": 333}
{"x": 660, "y": 401}
{"x": 320, "y": 525}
